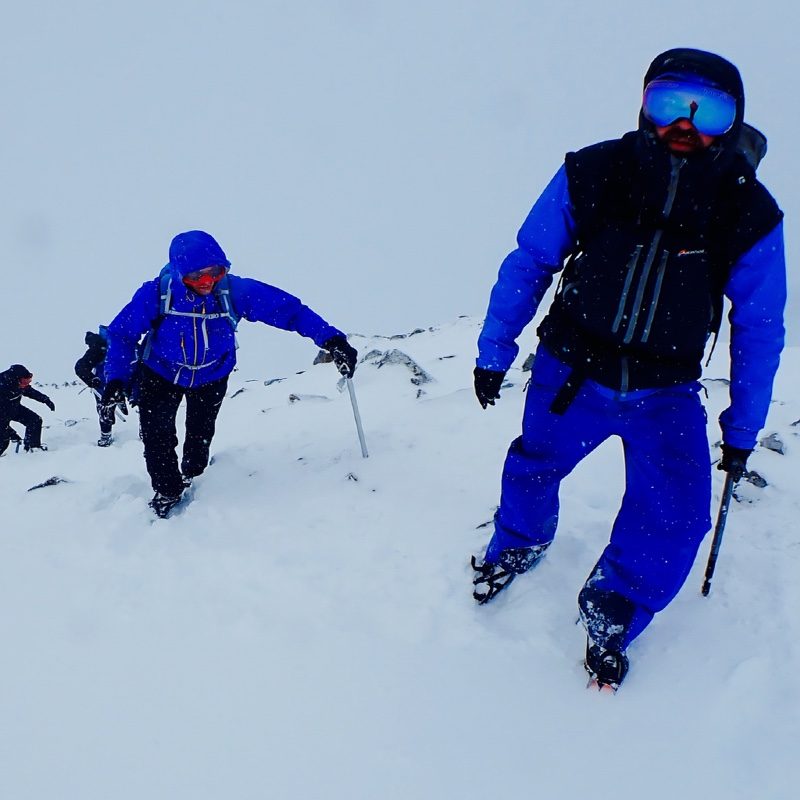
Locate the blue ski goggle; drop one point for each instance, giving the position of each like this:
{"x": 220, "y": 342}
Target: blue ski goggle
{"x": 710, "y": 110}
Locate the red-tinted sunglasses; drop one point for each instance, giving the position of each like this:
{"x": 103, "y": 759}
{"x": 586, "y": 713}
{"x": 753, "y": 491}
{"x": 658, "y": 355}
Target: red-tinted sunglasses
{"x": 204, "y": 278}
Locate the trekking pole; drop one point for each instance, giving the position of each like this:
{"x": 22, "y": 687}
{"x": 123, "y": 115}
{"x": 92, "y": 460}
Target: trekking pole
{"x": 352, "y": 391}
{"x": 719, "y": 528}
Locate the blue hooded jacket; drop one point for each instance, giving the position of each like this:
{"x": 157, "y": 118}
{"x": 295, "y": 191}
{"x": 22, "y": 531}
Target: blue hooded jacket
{"x": 189, "y": 350}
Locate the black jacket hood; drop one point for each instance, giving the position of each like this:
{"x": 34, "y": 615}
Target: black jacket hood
{"x": 711, "y": 68}
{"x": 18, "y": 371}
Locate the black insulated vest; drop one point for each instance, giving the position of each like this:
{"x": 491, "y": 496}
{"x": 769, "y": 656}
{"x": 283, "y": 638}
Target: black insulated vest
{"x": 656, "y": 238}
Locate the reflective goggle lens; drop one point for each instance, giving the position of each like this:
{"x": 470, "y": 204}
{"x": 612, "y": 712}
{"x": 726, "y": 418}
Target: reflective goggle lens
{"x": 710, "y": 110}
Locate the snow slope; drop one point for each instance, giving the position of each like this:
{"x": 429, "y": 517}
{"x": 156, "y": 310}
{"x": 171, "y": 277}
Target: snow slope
{"x": 304, "y": 628}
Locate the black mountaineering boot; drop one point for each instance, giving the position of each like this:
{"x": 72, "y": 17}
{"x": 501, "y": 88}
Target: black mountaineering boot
{"x": 605, "y": 667}
{"x": 491, "y": 578}
{"x": 162, "y": 504}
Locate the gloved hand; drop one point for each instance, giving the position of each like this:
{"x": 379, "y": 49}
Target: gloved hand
{"x": 344, "y": 356}
{"x": 114, "y": 395}
{"x": 49, "y": 403}
{"x": 487, "y": 385}
{"x": 734, "y": 461}
{"x": 96, "y": 383}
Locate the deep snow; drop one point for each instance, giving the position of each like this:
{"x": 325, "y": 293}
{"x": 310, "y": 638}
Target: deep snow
{"x": 304, "y": 628}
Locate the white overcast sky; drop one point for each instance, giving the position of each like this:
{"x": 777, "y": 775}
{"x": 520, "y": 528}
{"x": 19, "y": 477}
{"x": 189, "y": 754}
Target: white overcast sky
{"x": 375, "y": 158}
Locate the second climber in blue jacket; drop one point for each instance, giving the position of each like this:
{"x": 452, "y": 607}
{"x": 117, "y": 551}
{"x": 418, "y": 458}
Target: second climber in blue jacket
{"x": 187, "y": 317}
{"x": 649, "y": 232}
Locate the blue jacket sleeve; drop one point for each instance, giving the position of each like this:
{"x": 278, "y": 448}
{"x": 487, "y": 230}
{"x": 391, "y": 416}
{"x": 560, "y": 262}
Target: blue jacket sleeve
{"x": 757, "y": 291}
{"x": 125, "y": 330}
{"x": 260, "y": 302}
{"x": 546, "y": 238}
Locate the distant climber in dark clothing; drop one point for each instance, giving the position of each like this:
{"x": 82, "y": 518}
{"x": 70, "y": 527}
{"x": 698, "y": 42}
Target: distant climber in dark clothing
{"x": 15, "y": 383}
{"x": 90, "y": 368}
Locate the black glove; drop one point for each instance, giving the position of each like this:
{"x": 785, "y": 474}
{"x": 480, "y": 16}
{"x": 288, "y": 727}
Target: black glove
{"x": 114, "y": 394}
{"x": 734, "y": 461}
{"x": 344, "y": 356}
{"x": 49, "y": 403}
{"x": 487, "y": 385}
{"x": 96, "y": 383}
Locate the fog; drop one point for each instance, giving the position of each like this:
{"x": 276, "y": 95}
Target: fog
{"x": 375, "y": 159}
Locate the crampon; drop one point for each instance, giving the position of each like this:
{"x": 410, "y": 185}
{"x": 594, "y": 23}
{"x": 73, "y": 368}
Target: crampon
{"x": 606, "y": 668}
{"x": 490, "y": 579}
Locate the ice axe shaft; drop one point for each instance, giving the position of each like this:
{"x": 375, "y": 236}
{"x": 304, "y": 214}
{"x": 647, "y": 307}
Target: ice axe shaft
{"x": 352, "y": 392}
{"x": 719, "y": 529}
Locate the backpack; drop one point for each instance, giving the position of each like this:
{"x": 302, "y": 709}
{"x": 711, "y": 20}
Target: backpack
{"x": 221, "y": 291}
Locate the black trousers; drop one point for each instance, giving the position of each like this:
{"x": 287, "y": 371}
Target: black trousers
{"x": 16, "y": 412}
{"x": 158, "y": 406}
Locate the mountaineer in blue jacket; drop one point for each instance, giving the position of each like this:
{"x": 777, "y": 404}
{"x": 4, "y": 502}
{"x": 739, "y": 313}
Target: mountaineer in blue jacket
{"x": 188, "y": 316}
{"x": 649, "y": 232}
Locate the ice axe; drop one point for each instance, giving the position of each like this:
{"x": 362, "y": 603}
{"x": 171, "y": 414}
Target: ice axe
{"x": 348, "y": 382}
{"x": 719, "y": 529}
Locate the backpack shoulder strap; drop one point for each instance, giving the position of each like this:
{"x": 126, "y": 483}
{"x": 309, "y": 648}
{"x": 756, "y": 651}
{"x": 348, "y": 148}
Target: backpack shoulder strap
{"x": 164, "y": 301}
{"x": 223, "y": 292}
{"x": 164, "y": 293}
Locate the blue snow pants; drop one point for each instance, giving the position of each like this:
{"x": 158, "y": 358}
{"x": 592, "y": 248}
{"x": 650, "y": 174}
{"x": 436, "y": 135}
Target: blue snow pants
{"x": 665, "y": 511}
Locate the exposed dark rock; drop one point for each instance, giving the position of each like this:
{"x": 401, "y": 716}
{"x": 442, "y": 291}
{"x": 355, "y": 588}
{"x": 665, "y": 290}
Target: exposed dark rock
{"x": 773, "y": 442}
{"x": 528, "y": 364}
{"x": 323, "y": 357}
{"x": 756, "y": 479}
{"x": 407, "y": 335}
{"x": 54, "y": 481}
{"x": 418, "y": 375}
{"x": 722, "y": 381}
{"x": 296, "y": 398}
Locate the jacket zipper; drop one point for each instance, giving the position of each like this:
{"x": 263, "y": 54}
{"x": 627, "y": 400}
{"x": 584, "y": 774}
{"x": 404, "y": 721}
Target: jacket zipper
{"x": 634, "y": 260}
{"x": 651, "y": 254}
{"x": 662, "y": 268}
